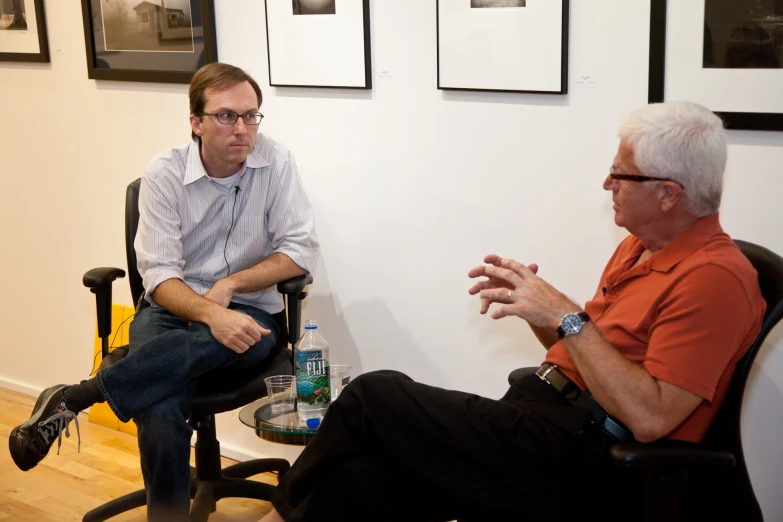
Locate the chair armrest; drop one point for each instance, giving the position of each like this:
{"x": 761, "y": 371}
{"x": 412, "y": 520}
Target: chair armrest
{"x": 294, "y": 285}
{"x": 521, "y": 373}
{"x": 100, "y": 277}
{"x": 294, "y": 290}
{"x": 635, "y": 455}
{"x": 99, "y": 281}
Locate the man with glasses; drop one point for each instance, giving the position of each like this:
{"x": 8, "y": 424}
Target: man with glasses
{"x": 222, "y": 221}
{"x": 676, "y": 307}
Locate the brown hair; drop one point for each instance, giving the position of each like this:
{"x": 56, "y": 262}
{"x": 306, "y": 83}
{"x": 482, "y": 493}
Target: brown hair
{"x": 218, "y": 77}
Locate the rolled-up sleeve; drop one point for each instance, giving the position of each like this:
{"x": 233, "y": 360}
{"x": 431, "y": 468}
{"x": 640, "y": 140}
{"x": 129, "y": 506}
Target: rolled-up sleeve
{"x": 158, "y": 240}
{"x": 290, "y": 216}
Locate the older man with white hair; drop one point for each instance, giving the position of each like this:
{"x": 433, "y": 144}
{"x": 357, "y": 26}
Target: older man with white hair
{"x": 649, "y": 357}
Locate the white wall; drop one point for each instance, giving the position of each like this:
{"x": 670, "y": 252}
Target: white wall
{"x": 412, "y": 186}
{"x": 762, "y": 425}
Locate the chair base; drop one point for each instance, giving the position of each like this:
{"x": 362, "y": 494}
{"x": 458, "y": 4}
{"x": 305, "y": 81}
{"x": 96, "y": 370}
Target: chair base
{"x": 233, "y": 482}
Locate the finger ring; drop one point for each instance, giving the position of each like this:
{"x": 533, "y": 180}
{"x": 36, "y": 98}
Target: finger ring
{"x": 509, "y": 294}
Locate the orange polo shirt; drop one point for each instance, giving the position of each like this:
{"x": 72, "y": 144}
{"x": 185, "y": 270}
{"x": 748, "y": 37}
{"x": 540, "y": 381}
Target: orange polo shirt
{"x": 687, "y": 315}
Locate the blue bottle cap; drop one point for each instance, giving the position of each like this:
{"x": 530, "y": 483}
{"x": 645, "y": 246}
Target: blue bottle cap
{"x": 313, "y": 423}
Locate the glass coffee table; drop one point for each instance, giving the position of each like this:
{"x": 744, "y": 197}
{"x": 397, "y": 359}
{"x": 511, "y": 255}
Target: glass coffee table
{"x": 285, "y": 428}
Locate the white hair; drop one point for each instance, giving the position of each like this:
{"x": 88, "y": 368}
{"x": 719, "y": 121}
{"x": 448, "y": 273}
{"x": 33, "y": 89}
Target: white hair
{"x": 683, "y": 142}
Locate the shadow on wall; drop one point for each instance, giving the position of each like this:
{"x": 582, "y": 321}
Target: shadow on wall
{"x": 325, "y": 309}
{"x": 511, "y": 338}
{"x": 762, "y": 425}
{"x": 378, "y": 331}
{"x": 376, "y": 336}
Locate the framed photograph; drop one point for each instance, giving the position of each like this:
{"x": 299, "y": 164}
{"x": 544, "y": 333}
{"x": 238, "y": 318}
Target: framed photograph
{"x": 724, "y": 54}
{"x": 163, "y": 41}
{"x": 23, "y": 31}
{"x": 503, "y": 45}
{"x": 319, "y": 43}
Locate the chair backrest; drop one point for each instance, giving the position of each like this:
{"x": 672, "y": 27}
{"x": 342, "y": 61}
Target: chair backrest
{"x": 725, "y": 433}
{"x": 131, "y": 225}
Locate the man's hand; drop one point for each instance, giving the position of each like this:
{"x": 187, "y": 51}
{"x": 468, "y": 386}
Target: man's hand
{"x": 236, "y": 330}
{"x": 492, "y": 282}
{"x": 523, "y": 293}
{"x": 221, "y": 292}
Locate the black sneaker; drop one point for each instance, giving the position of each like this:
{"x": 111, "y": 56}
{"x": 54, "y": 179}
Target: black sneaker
{"x": 30, "y": 442}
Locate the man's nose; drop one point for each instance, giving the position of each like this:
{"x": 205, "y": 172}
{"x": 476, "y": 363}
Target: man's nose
{"x": 240, "y": 127}
{"x": 609, "y": 183}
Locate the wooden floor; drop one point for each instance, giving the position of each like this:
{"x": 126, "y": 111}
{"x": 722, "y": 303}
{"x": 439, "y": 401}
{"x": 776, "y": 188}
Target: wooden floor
{"x": 65, "y": 486}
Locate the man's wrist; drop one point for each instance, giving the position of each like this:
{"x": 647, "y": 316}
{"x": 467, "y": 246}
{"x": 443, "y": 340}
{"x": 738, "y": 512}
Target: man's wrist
{"x": 571, "y": 322}
{"x": 574, "y": 309}
{"x": 230, "y": 283}
{"x": 211, "y": 312}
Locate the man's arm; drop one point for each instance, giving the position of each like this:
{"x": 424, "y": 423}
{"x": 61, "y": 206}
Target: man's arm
{"x": 234, "y": 330}
{"x": 649, "y": 407}
{"x": 545, "y": 337}
{"x": 275, "y": 268}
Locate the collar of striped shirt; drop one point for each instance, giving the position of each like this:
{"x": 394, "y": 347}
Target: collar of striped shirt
{"x": 195, "y": 168}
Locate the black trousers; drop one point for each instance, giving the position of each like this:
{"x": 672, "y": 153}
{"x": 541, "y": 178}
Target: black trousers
{"x": 393, "y": 449}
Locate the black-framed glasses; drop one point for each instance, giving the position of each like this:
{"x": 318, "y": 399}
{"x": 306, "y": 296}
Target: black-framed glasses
{"x": 634, "y": 177}
{"x": 615, "y": 176}
{"x": 231, "y": 117}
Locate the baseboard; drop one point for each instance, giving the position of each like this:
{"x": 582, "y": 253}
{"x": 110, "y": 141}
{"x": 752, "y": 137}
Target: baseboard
{"x": 234, "y": 452}
{"x": 25, "y": 389}
{"x": 20, "y": 387}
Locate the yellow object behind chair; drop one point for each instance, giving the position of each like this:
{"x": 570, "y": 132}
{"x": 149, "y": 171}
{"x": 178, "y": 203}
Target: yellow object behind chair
{"x": 101, "y": 413}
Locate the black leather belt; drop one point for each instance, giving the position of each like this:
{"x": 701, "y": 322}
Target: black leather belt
{"x": 551, "y": 374}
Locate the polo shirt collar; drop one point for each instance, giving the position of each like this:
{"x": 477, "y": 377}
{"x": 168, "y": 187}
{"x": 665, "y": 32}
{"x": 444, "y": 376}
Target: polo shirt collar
{"x": 686, "y": 243}
{"x": 194, "y": 170}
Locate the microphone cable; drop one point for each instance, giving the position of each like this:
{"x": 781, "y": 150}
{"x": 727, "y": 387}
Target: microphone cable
{"x": 225, "y": 246}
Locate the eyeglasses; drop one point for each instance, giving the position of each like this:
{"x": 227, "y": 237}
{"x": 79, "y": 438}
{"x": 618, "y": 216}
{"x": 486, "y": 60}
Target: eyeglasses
{"x": 634, "y": 177}
{"x": 231, "y": 117}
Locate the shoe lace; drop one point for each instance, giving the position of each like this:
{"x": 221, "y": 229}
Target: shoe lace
{"x": 54, "y": 426}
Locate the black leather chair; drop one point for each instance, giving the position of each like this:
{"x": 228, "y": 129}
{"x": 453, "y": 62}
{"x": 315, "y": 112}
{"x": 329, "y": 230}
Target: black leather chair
{"x": 707, "y": 481}
{"x": 215, "y": 393}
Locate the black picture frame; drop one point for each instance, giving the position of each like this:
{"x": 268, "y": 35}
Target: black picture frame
{"x": 565, "y": 22}
{"x": 94, "y": 72}
{"x": 42, "y": 56}
{"x": 765, "y": 121}
{"x": 367, "y": 55}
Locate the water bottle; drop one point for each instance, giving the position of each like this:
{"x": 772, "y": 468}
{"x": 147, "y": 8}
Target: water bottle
{"x": 312, "y": 374}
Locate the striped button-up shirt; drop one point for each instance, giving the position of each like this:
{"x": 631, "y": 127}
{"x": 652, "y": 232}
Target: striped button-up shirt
{"x": 194, "y": 229}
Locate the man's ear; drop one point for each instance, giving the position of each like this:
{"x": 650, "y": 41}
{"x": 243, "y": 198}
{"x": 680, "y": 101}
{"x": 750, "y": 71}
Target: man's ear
{"x": 670, "y": 194}
{"x": 195, "y": 124}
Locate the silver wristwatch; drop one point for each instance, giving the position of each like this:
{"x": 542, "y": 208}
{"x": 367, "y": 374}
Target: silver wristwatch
{"x": 572, "y": 324}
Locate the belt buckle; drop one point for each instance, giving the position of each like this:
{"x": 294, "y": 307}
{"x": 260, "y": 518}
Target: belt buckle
{"x": 544, "y": 375}
{"x": 616, "y": 430}
{"x": 548, "y": 368}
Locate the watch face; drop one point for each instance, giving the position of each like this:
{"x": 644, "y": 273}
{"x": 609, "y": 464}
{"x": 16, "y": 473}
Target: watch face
{"x": 571, "y": 324}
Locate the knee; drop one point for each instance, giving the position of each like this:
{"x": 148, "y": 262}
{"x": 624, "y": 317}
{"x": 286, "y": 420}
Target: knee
{"x": 150, "y": 322}
{"x": 379, "y": 377}
{"x": 371, "y": 383}
{"x": 166, "y": 418}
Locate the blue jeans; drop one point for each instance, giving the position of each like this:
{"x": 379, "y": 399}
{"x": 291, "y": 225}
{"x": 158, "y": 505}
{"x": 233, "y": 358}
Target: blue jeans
{"x": 154, "y": 385}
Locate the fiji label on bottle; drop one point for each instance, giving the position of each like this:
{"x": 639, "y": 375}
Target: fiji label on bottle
{"x": 312, "y": 378}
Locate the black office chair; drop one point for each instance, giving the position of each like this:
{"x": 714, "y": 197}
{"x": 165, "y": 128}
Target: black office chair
{"x": 215, "y": 393}
{"x": 706, "y": 481}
